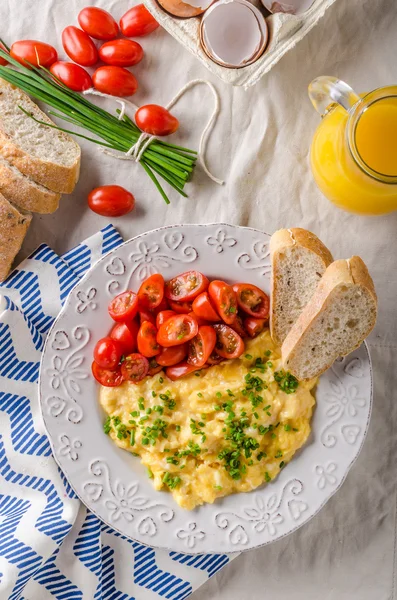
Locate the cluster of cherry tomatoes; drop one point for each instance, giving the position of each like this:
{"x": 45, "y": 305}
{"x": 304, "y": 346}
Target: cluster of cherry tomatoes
{"x": 183, "y": 325}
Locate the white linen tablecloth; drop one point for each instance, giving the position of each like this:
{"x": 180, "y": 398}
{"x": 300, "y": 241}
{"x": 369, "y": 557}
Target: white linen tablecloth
{"x": 260, "y": 147}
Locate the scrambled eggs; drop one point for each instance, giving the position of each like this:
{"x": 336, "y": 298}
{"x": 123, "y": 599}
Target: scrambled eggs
{"x": 225, "y": 429}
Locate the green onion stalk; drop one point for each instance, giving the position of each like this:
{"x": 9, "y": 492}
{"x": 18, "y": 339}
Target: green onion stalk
{"x": 172, "y": 163}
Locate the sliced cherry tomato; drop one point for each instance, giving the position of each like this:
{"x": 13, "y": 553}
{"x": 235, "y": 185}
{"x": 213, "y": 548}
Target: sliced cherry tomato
{"x": 147, "y": 315}
{"x": 182, "y": 308}
{"x": 214, "y": 358}
{"x": 3, "y": 61}
{"x": 121, "y": 53}
{"x": 98, "y": 23}
{"x": 238, "y": 326}
{"x": 171, "y": 356}
{"x": 111, "y": 200}
{"x": 32, "y": 52}
{"x": 124, "y": 306}
{"x": 115, "y": 81}
{"x": 252, "y": 300}
{"x": 228, "y": 343}
{"x": 73, "y": 76}
{"x": 177, "y": 330}
{"x": 137, "y": 21}
{"x": 125, "y": 334}
{"x": 107, "y": 377}
{"x": 203, "y": 307}
{"x": 79, "y": 46}
{"x": 135, "y": 367}
{"x": 154, "y": 367}
{"x": 199, "y": 320}
{"x": 107, "y": 353}
{"x": 186, "y": 286}
{"x": 254, "y": 326}
{"x": 163, "y": 316}
{"x": 179, "y": 370}
{"x": 146, "y": 340}
{"x": 201, "y": 346}
{"x": 162, "y": 306}
{"x": 225, "y": 300}
{"x": 151, "y": 292}
{"x": 156, "y": 120}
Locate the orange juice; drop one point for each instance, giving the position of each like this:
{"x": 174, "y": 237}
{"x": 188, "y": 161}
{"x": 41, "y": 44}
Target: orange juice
{"x": 354, "y": 154}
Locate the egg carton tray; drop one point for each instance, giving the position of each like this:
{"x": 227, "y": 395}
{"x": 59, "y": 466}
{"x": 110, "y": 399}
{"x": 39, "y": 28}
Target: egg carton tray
{"x": 285, "y": 31}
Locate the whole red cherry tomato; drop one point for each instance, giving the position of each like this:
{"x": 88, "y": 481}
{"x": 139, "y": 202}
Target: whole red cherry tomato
{"x": 107, "y": 353}
{"x": 111, "y": 200}
{"x": 98, "y": 23}
{"x": 154, "y": 367}
{"x": 121, "y": 53}
{"x": 163, "y": 316}
{"x": 179, "y": 370}
{"x": 186, "y": 286}
{"x": 137, "y": 21}
{"x": 79, "y": 46}
{"x": 156, "y": 120}
{"x": 107, "y": 377}
{"x": 182, "y": 308}
{"x": 252, "y": 300}
{"x": 177, "y": 330}
{"x": 146, "y": 340}
{"x": 115, "y": 81}
{"x": 203, "y": 307}
{"x": 123, "y": 307}
{"x": 135, "y": 367}
{"x": 171, "y": 356}
{"x": 3, "y": 61}
{"x": 228, "y": 343}
{"x": 73, "y": 76}
{"x": 225, "y": 300}
{"x": 151, "y": 292}
{"x": 125, "y": 334}
{"x": 33, "y": 52}
{"x": 201, "y": 346}
{"x": 254, "y": 326}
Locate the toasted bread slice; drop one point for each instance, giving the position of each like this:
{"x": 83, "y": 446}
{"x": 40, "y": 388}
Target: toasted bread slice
{"x": 299, "y": 260}
{"x": 24, "y": 192}
{"x": 340, "y": 315}
{"x": 44, "y": 154}
{"x": 13, "y": 227}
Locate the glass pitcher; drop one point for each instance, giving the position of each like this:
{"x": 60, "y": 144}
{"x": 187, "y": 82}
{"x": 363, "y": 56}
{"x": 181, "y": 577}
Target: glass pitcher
{"x": 354, "y": 149}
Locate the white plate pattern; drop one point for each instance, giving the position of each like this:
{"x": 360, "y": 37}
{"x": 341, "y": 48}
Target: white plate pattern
{"x": 113, "y": 483}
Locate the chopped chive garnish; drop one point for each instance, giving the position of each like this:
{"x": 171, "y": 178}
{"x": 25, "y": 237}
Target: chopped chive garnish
{"x": 267, "y": 477}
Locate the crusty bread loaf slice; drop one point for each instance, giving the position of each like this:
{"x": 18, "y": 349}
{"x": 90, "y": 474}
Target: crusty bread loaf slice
{"x": 44, "y": 154}
{"x": 340, "y": 315}
{"x": 24, "y": 192}
{"x": 13, "y": 228}
{"x": 299, "y": 260}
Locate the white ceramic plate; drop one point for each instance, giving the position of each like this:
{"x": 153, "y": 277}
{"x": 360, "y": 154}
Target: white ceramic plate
{"x": 113, "y": 483}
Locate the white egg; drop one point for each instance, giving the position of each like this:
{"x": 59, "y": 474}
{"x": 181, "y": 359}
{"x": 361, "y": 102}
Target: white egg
{"x": 292, "y": 7}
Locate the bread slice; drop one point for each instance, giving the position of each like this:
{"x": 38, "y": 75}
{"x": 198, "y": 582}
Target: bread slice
{"x": 24, "y": 192}
{"x": 44, "y": 154}
{"x": 13, "y": 227}
{"x": 336, "y": 320}
{"x": 299, "y": 260}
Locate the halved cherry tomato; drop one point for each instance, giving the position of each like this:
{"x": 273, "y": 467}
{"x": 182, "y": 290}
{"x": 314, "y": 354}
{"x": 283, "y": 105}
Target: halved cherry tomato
{"x": 156, "y": 120}
{"x": 115, "y": 81}
{"x": 199, "y": 320}
{"x": 225, "y": 300}
{"x": 98, "y": 23}
{"x": 239, "y": 326}
{"x": 73, "y": 76}
{"x": 171, "y": 356}
{"x": 201, "y": 346}
{"x": 154, "y": 367}
{"x": 179, "y": 370}
{"x": 214, "y": 358}
{"x": 33, "y": 52}
{"x": 254, "y": 326}
{"x": 107, "y": 377}
{"x": 252, "y": 300}
{"x": 162, "y": 306}
{"x": 79, "y": 46}
{"x": 124, "y": 306}
{"x": 202, "y": 307}
{"x": 163, "y": 316}
{"x": 146, "y": 340}
{"x": 137, "y": 21}
{"x": 121, "y": 53}
{"x": 135, "y": 367}
{"x": 147, "y": 315}
{"x": 3, "y": 61}
{"x": 182, "y": 308}
{"x": 186, "y": 286}
{"x": 125, "y": 334}
{"x": 107, "y": 353}
{"x": 228, "y": 343}
{"x": 110, "y": 200}
{"x": 151, "y": 292}
{"x": 177, "y": 330}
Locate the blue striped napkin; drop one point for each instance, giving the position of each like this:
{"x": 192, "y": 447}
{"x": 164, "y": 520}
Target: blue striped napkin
{"x": 51, "y": 546}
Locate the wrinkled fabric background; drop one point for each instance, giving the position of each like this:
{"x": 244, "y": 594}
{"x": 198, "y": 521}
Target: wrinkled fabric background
{"x": 260, "y": 147}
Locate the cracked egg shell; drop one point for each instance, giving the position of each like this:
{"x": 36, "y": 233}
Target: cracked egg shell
{"x": 289, "y": 7}
{"x": 185, "y": 10}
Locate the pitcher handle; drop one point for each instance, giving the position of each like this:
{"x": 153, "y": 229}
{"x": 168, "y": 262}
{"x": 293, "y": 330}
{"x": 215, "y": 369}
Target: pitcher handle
{"x": 324, "y": 91}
